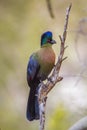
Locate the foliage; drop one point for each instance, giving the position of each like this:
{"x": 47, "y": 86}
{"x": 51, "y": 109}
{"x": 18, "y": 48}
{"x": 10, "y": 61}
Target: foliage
{"x": 60, "y": 119}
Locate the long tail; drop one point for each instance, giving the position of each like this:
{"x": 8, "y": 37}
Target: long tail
{"x": 32, "y": 105}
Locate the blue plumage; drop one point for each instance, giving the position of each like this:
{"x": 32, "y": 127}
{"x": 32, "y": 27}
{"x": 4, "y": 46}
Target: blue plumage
{"x": 32, "y": 107}
{"x": 45, "y": 37}
{"x": 32, "y": 68}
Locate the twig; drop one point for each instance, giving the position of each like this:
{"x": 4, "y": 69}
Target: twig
{"x": 50, "y": 8}
{"x": 80, "y": 125}
{"x": 54, "y": 78}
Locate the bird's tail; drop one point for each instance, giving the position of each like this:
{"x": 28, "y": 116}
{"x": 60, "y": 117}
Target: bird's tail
{"x": 32, "y": 105}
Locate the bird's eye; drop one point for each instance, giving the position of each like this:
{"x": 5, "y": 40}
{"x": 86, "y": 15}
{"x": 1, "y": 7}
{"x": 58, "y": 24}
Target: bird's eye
{"x": 49, "y": 40}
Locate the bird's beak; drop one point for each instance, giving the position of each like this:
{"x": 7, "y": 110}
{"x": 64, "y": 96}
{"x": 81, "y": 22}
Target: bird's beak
{"x": 53, "y": 42}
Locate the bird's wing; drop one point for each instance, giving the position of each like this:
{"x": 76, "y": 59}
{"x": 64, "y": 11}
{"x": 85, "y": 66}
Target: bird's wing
{"x": 32, "y": 69}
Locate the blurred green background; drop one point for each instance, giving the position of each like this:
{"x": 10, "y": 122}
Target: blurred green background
{"x": 21, "y": 24}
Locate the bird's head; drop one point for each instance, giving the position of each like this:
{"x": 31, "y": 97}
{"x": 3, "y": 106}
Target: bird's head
{"x": 46, "y": 39}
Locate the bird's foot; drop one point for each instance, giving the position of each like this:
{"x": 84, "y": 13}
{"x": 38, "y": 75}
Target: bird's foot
{"x": 49, "y": 79}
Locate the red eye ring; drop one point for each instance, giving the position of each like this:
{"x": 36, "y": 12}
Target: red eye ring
{"x": 48, "y": 40}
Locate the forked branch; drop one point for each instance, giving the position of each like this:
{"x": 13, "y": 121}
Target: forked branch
{"x": 44, "y": 89}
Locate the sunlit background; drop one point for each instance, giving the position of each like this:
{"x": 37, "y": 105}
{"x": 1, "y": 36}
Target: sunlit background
{"x": 21, "y": 24}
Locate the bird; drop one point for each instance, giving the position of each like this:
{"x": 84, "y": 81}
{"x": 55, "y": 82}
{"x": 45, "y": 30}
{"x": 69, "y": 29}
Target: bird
{"x": 39, "y": 67}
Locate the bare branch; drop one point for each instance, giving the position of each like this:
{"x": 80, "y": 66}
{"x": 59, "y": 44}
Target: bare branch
{"x": 65, "y": 47}
{"x": 44, "y": 89}
{"x": 80, "y": 125}
{"x": 49, "y": 5}
{"x": 64, "y": 58}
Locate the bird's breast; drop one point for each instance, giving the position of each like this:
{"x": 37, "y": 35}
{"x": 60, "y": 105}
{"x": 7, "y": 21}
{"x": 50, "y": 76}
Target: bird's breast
{"x": 46, "y": 61}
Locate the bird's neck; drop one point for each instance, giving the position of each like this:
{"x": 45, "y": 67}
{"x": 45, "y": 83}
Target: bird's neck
{"x": 46, "y": 45}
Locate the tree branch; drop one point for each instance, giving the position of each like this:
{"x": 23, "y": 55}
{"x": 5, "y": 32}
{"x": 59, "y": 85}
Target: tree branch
{"x": 44, "y": 89}
{"x": 80, "y": 125}
{"x": 49, "y": 5}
